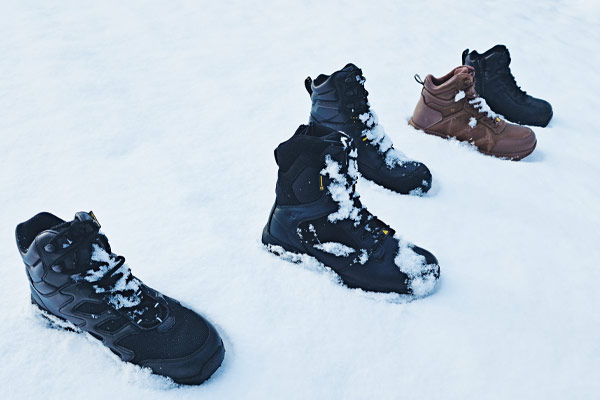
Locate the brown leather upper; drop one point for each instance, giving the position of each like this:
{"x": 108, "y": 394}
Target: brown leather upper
{"x": 444, "y": 111}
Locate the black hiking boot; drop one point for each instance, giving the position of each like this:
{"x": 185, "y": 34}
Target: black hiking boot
{"x": 317, "y": 212}
{"x": 75, "y": 277}
{"x": 339, "y": 101}
{"x": 496, "y": 84}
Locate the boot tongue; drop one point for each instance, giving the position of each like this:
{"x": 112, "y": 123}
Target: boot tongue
{"x": 84, "y": 253}
{"x": 87, "y": 216}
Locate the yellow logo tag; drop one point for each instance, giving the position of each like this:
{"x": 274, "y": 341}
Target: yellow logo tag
{"x": 94, "y": 217}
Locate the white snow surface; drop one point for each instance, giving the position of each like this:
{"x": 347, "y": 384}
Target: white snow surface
{"x": 162, "y": 117}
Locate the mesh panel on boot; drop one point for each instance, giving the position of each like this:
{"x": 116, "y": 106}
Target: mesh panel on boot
{"x": 112, "y": 325}
{"x": 187, "y": 335}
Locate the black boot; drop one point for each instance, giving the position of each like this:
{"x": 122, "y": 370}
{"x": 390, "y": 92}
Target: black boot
{"x": 317, "y": 212}
{"x": 75, "y": 277}
{"x": 340, "y": 102}
{"x": 496, "y": 84}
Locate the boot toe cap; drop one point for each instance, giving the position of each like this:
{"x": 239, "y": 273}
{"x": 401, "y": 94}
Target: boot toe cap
{"x": 424, "y": 282}
{"x": 412, "y": 177}
{"x": 545, "y": 113}
{"x": 194, "y": 368}
{"x": 517, "y": 142}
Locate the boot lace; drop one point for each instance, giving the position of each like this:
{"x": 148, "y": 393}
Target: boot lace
{"x": 342, "y": 187}
{"x": 107, "y": 272}
{"x": 477, "y": 103}
{"x": 362, "y": 114}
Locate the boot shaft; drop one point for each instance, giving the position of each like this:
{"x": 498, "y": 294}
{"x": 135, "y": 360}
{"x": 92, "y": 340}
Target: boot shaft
{"x": 496, "y": 84}
{"x": 338, "y": 99}
{"x": 493, "y": 70}
{"x": 303, "y": 160}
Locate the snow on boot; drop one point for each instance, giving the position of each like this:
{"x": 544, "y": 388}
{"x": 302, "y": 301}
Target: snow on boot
{"x": 340, "y": 102}
{"x": 78, "y": 282}
{"x": 497, "y": 85}
{"x": 451, "y": 108}
{"x": 318, "y": 212}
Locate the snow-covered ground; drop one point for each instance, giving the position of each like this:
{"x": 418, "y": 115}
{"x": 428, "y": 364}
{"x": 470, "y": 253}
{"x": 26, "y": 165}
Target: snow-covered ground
{"x": 162, "y": 117}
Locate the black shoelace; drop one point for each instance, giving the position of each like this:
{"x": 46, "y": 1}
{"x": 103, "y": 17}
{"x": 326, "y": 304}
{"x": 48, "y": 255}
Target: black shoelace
{"x": 107, "y": 272}
{"x": 355, "y": 90}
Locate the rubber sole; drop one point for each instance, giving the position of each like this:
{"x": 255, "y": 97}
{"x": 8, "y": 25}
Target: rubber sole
{"x": 207, "y": 370}
{"x": 515, "y": 156}
{"x": 542, "y": 124}
{"x": 295, "y": 256}
{"x": 288, "y": 253}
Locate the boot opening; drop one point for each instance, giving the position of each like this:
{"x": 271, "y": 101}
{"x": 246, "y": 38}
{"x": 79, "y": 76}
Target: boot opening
{"x": 28, "y": 230}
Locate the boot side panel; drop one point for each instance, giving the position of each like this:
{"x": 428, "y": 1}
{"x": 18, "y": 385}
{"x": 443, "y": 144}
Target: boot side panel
{"x": 282, "y": 227}
{"x": 424, "y": 116}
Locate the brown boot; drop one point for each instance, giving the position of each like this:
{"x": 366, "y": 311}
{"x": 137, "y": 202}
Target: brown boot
{"x": 450, "y": 107}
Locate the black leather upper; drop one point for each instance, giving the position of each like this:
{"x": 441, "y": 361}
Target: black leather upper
{"x": 178, "y": 344}
{"x": 302, "y": 225}
{"x": 336, "y": 103}
{"x": 496, "y": 84}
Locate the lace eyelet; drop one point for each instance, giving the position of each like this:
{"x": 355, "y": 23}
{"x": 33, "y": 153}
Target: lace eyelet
{"x": 49, "y": 248}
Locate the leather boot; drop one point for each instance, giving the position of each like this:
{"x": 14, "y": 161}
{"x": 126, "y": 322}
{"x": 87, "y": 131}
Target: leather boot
{"x": 450, "y": 107}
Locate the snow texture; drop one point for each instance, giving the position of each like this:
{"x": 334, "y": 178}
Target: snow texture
{"x": 380, "y": 140}
{"x": 480, "y": 105}
{"x": 341, "y": 190}
{"x": 162, "y": 118}
{"x": 459, "y": 96}
{"x": 124, "y": 283}
{"x": 337, "y": 249}
{"x": 363, "y": 257}
{"x": 472, "y": 122}
{"x": 421, "y": 276}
